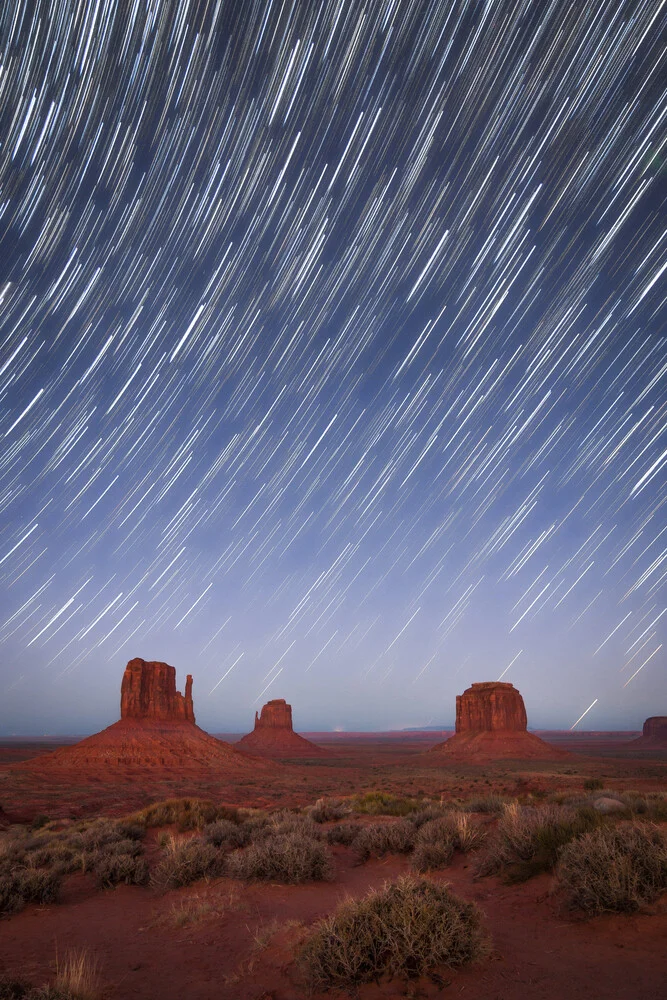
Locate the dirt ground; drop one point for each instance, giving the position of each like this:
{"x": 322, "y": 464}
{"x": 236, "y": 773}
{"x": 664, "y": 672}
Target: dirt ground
{"x": 228, "y": 940}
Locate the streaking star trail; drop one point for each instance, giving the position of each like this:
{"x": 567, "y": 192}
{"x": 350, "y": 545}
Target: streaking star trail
{"x": 321, "y": 319}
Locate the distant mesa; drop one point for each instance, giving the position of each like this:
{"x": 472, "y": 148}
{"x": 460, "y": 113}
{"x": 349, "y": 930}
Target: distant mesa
{"x": 156, "y": 731}
{"x": 274, "y": 736}
{"x": 491, "y": 722}
{"x": 654, "y": 733}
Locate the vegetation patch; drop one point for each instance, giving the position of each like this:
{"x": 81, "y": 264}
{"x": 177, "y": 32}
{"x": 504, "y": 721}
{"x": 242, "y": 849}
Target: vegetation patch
{"x": 408, "y": 928}
{"x": 187, "y": 861}
{"x": 614, "y": 869}
{"x": 385, "y": 804}
{"x": 379, "y": 839}
{"x": 28, "y": 885}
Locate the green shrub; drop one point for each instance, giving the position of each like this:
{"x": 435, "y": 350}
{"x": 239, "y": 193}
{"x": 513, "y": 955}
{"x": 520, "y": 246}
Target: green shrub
{"x": 189, "y": 814}
{"x": 408, "y": 928}
{"x": 27, "y": 885}
{"x": 592, "y": 784}
{"x": 614, "y": 869}
{"x": 289, "y": 858}
{"x": 385, "y": 804}
{"x": 385, "y": 838}
{"x": 186, "y": 861}
{"x": 527, "y": 840}
{"x": 343, "y": 833}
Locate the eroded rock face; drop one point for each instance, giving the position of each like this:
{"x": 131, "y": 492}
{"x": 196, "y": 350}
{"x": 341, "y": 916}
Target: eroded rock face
{"x": 490, "y": 706}
{"x": 148, "y": 691}
{"x": 276, "y": 714}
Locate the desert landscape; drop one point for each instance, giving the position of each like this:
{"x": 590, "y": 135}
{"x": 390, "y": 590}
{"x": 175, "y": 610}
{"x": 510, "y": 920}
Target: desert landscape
{"x": 155, "y": 860}
{"x": 333, "y": 494}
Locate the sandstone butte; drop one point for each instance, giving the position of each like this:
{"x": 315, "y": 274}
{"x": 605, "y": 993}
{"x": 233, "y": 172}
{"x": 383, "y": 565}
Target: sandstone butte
{"x": 491, "y": 723}
{"x": 156, "y": 731}
{"x": 654, "y": 733}
{"x": 273, "y": 735}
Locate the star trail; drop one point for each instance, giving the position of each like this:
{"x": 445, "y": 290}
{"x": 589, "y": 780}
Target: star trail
{"x": 332, "y": 357}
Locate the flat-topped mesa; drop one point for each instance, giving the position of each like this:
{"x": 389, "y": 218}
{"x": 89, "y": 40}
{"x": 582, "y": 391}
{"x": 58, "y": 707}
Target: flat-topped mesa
{"x": 276, "y": 714}
{"x": 148, "y": 691}
{"x": 489, "y": 707}
{"x": 491, "y": 723}
{"x": 273, "y": 735}
{"x": 654, "y": 733}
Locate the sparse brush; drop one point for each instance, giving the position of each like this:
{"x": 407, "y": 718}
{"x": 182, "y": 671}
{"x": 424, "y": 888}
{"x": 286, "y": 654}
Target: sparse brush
{"x": 186, "y": 861}
{"x": 615, "y": 869}
{"x": 189, "y": 814}
{"x": 285, "y": 822}
{"x": 426, "y": 814}
{"x": 408, "y": 928}
{"x": 385, "y": 838}
{"x": 28, "y": 885}
{"x": 193, "y": 909}
{"x": 487, "y": 804}
{"x": 343, "y": 833}
{"x": 526, "y": 840}
{"x": 78, "y": 976}
{"x": 328, "y": 810}
{"x": 385, "y": 804}
{"x": 224, "y": 833}
{"x": 131, "y": 829}
{"x": 289, "y": 858}
{"x": 591, "y": 784}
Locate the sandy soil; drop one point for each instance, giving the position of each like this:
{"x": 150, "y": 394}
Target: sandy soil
{"x": 242, "y": 939}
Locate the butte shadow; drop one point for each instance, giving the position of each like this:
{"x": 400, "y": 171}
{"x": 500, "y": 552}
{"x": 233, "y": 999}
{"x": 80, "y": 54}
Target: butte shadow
{"x": 491, "y": 724}
{"x": 156, "y": 732}
{"x": 274, "y": 736}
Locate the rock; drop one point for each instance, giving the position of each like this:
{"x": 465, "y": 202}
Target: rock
{"x": 606, "y": 805}
{"x": 654, "y": 733}
{"x": 156, "y": 733}
{"x": 148, "y": 691}
{"x": 273, "y": 735}
{"x": 491, "y": 723}
{"x": 490, "y": 706}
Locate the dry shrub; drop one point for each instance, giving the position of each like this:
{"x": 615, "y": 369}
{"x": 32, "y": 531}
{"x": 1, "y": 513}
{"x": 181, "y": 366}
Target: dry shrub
{"x": 285, "y": 822}
{"x": 614, "y": 869}
{"x": 224, "y": 833}
{"x": 12, "y": 988}
{"x": 187, "y": 861}
{"x": 527, "y": 839}
{"x": 425, "y": 815}
{"x": 189, "y": 814}
{"x": 343, "y": 833}
{"x": 408, "y": 928}
{"x": 114, "y": 869}
{"x": 289, "y": 858}
{"x": 487, "y": 804}
{"x": 428, "y": 857}
{"x": 328, "y": 810}
{"x": 27, "y": 885}
{"x": 196, "y": 908}
{"x": 385, "y": 838}
{"x": 385, "y": 804}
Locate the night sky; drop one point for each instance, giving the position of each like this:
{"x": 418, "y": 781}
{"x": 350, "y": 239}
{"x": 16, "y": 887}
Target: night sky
{"x": 332, "y": 357}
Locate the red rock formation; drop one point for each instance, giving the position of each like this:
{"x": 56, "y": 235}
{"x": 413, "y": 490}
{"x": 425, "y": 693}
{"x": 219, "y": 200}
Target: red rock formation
{"x": 491, "y": 723}
{"x": 654, "y": 733}
{"x": 148, "y": 691}
{"x": 490, "y": 706}
{"x": 156, "y": 732}
{"x": 273, "y": 735}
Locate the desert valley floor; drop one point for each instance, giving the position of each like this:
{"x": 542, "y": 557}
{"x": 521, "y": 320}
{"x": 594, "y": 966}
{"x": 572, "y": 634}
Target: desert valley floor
{"x": 228, "y": 938}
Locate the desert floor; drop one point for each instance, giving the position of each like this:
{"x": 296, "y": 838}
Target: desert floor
{"x": 224, "y": 938}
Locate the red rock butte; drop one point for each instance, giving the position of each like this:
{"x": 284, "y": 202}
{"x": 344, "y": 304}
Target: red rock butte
{"x": 156, "y": 731}
{"x": 654, "y": 733}
{"x": 273, "y": 735}
{"x": 491, "y": 723}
